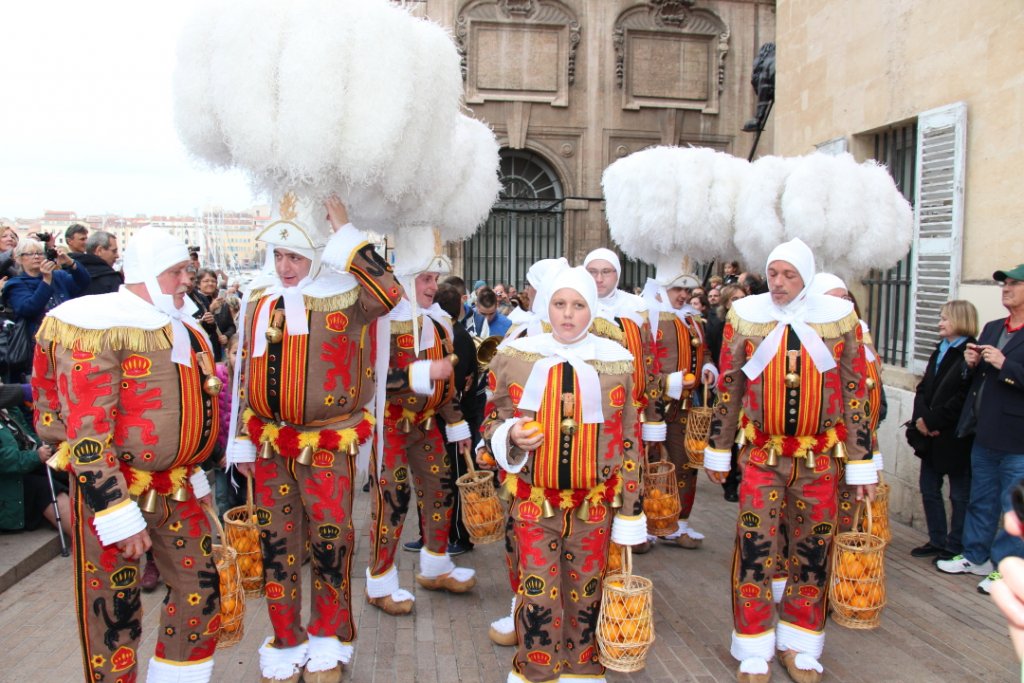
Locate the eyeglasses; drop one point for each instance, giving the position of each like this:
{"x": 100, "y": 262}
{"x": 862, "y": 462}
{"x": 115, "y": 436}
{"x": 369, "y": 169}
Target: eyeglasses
{"x": 31, "y": 253}
{"x": 607, "y": 272}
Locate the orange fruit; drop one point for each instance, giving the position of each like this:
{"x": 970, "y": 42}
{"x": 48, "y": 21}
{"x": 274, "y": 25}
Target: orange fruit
{"x": 629, "y": 629}
{"x": 689, "y": 378}
{"x": 615, "y": 611}
{"x": 634, "y": 605}
{"x": 851, "y": 567}
{"x": 844, "y": 591}
{"x": 532, "y": 427}
{"x": 875, "y": 594}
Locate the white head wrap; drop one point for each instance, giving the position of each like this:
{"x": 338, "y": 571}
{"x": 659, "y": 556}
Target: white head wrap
{"x": 798, "y": 255}
{"x": 607, "y": 255}
{"x": 826, "y": 282}
{"x": 580, "y": 281}
{"x": 669, "y": 273}
{"x": 149, "y": 253}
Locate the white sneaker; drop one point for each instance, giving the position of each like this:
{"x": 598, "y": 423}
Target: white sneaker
{"x": 985, "y": 587}
{"x": 961, "y": 565}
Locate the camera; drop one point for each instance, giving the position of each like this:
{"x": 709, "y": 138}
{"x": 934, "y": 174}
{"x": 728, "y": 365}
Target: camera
{"x": 47, "y": 238}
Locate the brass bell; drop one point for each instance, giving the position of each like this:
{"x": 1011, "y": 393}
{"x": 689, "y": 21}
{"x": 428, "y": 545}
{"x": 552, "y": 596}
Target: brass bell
{"x": 305, "y": 456}
{"x": 617, "y": 500}
{"x": 274, "y": 335}
{"x": 353, "y": 447}
{"x": 839, "y": 452}
{"x": 583, "y": 511}
{"x": 266, "y": 451}
{"x": 427, "y": 424}
{"x": 684, "y": 405}
{"x": 773, "y": 455}
{"x": 694, "y": 340}
{"x": 547, "y": 509}
{"x": 809, "y": 458}
{"x": 452, "y": 358}
{"x": 741, "y": 438}
{"x": 792, "y": 380}
{"x": 568, "y": 426}
{"x": 180, "y": 494}
{"x": 641, "y": 417}
{"x": 403, "y": 425}
{"x": 869, "y": 383}
{"x": 147, "y": 501}
{"x": 212, "y": 385}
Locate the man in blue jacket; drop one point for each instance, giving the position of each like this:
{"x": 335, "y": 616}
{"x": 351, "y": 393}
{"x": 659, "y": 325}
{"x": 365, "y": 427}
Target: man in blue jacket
{"x": 994, "y": 412}
{"x": 489, "y": 321}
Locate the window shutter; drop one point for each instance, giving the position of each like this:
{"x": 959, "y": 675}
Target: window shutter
{"x": 938, "y": 222}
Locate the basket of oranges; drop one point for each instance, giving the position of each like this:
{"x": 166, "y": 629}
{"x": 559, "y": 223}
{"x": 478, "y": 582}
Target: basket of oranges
{"x": 661, "y": 498}
{"x": 857, "y": 586}
{"x": 482, "y": 512}
{"x": 243, "y": 534}
{"x": 625, "y": 625}
{"x": 698, "y": 428}
{"x": 232, "y": 595}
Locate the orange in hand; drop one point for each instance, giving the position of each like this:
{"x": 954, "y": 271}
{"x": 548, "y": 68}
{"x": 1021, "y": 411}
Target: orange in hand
{"x": 689, "y": 378}
{"x": 532, "y": 427}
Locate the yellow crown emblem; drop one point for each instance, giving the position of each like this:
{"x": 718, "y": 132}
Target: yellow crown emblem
{"x": 87, "y": 451}
{"x": 135, "y": 366}
{"x": 329, "y": 531}
{"x": 750, "y": 520}
{"x": 262, "y": 516}
{"x": 124, "y": 577}
{"x": 823, "y": 529}
{"x": 533, "y": 585}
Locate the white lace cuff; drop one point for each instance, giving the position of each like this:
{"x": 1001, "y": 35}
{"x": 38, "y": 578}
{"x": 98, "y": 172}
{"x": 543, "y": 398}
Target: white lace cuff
{"x": 760, "y": 646}
{"x": 241, "y": 450}
{"x": 629, "y": 530}
{"x": 654, "y": 432}
{"x": 325, "y": 652}
{"x": 717, "y": 461}
{"x": 119, "y": 522}
{"x": 457, "y": 431}
{"x": 674, "y": 385}
{"x": 433, "y": 566}
{"x": 861, "y": 472}
{"x": 419, "y": 377}
{"x": 789, "y": 637}
{"x": 282, "y": 662}
{"x": 383, "y": 585}
{"x": 341, "y": 245}
{"x": 200, "y": 483}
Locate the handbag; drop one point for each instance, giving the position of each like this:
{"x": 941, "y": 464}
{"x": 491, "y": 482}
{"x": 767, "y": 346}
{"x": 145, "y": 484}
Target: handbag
{"x": 921, "y": 444}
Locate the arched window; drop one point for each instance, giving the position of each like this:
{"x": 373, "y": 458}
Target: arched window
{"x": 524, "y": 226}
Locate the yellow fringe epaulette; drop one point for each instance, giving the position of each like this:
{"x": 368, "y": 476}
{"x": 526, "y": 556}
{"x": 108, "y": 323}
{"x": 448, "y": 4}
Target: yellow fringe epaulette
{"x": 607, "y": 329}
{"x": 668, "y": 316}
{"x": 96, "y": 341}
{"x": 338, "y": 302}
{"x": 401, "y": 326}
{"x": 829, "y": 330}
{"x": 603, "y": 367}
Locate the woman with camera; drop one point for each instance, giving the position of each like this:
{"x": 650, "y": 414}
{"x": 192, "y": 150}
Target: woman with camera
{"x": 931, "y": 431}
{"x": 42, "y": 285}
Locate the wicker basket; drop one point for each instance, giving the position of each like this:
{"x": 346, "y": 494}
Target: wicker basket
{"x": 625, "y": 626}
{"x": 232, "y": 596}
{"x": 698, "y": 427}
{"x": 880, "y": 511}
{"x": 243, "y": 534}
{"x": 482, "y": 512}
{"x": 857, "y": 584}
{"x": 661, "y": 498}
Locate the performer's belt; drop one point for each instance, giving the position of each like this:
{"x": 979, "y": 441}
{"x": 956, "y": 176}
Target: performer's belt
{"x": 793, "y": 445}
{"x": 608, "y": 491}
{"x": 289, "y": 441}
{"x": 394, "y": 413}
{"x": 139, "y": 481}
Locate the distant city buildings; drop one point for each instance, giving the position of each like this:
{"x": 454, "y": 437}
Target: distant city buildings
{"x": 226, "y": 239}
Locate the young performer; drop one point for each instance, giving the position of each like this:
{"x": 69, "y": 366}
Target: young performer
{"x": 305, "y": 377}
{"x": 126, "y": 380}
{"x": 793, "y": 367}
{"x": 569, "y": 478}
{"x": 420, "y": 385}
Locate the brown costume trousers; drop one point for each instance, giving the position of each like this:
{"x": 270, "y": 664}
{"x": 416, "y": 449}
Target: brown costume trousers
{"x": 107, "y": 591}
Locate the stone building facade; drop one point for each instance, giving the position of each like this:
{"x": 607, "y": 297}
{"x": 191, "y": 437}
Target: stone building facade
{"x": 570, "y": 86}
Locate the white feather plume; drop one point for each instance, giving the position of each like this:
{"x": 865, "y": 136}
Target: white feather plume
{"x": 759, "y": 222}
{"x": 673, "y": 200}
{"x": 318, "y": 96}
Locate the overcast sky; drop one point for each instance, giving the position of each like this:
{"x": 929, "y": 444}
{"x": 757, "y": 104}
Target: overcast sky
{"x": 86, "y": 119}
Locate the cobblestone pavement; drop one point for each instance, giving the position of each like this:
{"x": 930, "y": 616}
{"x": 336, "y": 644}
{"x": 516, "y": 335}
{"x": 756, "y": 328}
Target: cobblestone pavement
{"x": 936, "y": 627}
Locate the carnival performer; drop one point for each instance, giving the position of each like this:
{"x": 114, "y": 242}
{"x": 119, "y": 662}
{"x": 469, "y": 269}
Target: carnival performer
{"x": 875, "y": 407}
{"x": 525, "y": 324}
{"x": 304, "y": 375}
{"x": 793, "y": 378}
{"x": 568, "y": 479}
{"x": 684, "y": 365}
{"x": 623, "y": 317}
{"x": 420, "y": 385}
{"x": 126, "y": 381}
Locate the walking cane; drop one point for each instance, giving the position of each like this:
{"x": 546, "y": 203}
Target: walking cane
{"x": 56, "y": 513}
